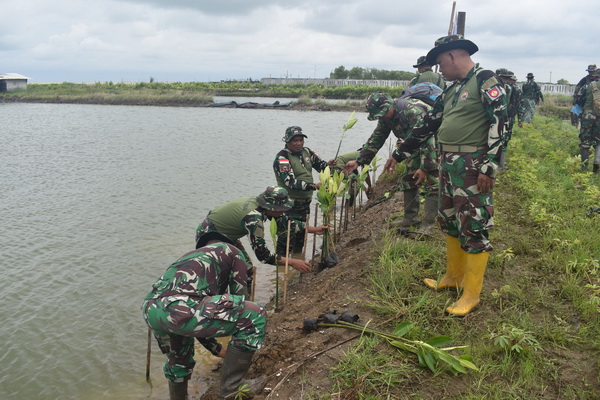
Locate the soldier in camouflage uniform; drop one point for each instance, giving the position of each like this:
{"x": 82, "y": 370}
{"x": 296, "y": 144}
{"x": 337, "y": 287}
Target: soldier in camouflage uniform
{"x": 582, "y": 82}
{"x": 470, "y": 120}
{"x": 532, "y": 95}
{"x": 426, "y": 74}
{"x": 513, "y": 96}
{"x": 246, "y": 216}
{"x": 191, "y": 300}
{"x": 400, "y": 116}
{"x": 338, "y": 165}
{"x": 293, "y": 170}
{"x": 589, "y": 134}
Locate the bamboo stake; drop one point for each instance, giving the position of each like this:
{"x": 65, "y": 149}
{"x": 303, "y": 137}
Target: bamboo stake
{"x": 315, "y": 235}
{"x": 305, "y": 242}
{"x": 254, "y": 272}
{"x": 287, "y": 256}
{"x": 148, "y": 352}
{"x": 452, "y": 18}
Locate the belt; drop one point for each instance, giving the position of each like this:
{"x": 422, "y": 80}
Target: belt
{"x": 461, "y": 148}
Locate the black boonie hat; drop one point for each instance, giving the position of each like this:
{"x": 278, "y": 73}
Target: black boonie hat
{"x": 447, "y": 43}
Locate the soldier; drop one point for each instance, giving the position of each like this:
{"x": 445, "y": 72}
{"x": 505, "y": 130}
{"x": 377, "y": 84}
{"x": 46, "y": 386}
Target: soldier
{"x": 582, "y": 82}
{"x": 190, "y": 301}
{"x": 532, "y": 95}
{"x": 589, "y": 135}
{"x": 425, "y": 74}
{"x": 400, "y": 116}
{"x": 513, "y": 96}
{"x": 470, "y": 120}
{"x": 338, "y": 165}
{"x": 246, "y": 216}
{"x": 293, "y": 170}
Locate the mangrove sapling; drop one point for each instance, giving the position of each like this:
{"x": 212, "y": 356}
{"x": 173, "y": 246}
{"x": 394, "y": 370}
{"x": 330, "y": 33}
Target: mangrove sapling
{"x": 348, "y": 125}
{"x": 331, "y": 187}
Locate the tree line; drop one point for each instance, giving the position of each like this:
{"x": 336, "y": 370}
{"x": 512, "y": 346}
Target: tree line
{"x": 370, "y": 73}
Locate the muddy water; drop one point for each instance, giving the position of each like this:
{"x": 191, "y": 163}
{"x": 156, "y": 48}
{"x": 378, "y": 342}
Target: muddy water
{"x": 96, "y": 202}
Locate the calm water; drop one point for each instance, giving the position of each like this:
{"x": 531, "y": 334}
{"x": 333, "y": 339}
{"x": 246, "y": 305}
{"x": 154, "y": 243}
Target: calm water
{"x": 96, "y": 202}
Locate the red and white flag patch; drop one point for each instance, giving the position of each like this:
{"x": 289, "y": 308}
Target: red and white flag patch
{"x": 284, "y": 165}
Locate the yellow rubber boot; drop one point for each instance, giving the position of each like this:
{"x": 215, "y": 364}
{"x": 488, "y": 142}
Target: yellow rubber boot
{"x": 455, "y": 266}
{"x": 474, "y": 271}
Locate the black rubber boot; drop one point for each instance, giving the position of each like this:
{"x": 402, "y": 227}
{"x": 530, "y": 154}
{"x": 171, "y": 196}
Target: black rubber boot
{"x": 585, "y": 155}
{"x": 431, "y": 208}
{"x": 411, "y": 209}
{"x": 178, "y": 390}
{"x": 235, "y": 366}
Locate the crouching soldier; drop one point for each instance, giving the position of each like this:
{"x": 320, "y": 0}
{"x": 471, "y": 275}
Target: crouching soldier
{"x": 202, "y": 295}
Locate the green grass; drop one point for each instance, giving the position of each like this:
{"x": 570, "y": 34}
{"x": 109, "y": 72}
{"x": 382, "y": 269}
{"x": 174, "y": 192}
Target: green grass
{"x": 542, "y": 288}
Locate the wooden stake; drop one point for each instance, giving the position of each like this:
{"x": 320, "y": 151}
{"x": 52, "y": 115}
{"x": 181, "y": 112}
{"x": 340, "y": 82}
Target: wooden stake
{"x": 287, "y": 256}
{"x": 452, "y": 18}
{"x": 254, "y": 272}
{"x": 315, "y": 235}
{"x": 148, "y": 352}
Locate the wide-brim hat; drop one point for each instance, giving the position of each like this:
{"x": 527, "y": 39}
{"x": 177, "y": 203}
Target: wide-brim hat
{"x": 447, "y": 43}
{"x": 591, "y": 67}
{"x": 530, "y": 75}
{"x": 208, "y": 236}
{"x": 420, "y": 61}
{"x": 275, "y": 198}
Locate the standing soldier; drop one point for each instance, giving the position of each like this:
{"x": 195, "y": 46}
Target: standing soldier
{"x": 190, "y": 300}
{"x": 400, "y": 116}
{"x": 470, "y": 120}
{"x": 582, "y": 82}
{"x": 246, "y": 216}
{"x": 589, "y": 135}
{"x": 513, "y": 96}
{"x": 293, "y": 170}
{"x": 426, "y": 74}
{"x": 532, "y": 95}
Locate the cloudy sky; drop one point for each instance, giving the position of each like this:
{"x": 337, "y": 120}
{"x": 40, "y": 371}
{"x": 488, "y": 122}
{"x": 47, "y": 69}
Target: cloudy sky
{"x": 212, "y": 40}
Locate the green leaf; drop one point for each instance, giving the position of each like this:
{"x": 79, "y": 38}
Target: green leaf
{"x": 439, "y": 341}
{"x": 403, "y": 328}
{"x": 430, "y": 360}
{"x": 467, "y": 361}
{"x": 273, "y": 230}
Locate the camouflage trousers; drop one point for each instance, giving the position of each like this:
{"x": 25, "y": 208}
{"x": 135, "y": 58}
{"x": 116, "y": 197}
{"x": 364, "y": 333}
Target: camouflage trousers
{"x": 463, "y": 211}
{"x": 177, "y": 320}
{"x": 428, "y": 187}
{"x": 298, "y": 212}
{"x": 528, "y": 110}
{"x": 589, "y": 134}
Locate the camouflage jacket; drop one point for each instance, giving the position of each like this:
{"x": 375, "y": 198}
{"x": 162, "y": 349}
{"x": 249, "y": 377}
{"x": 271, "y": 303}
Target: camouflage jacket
{"x": 515, "y": 101}
{"x": 532, "y": 91}
{"x": 293, "y": 171}
{"x": 208, "y": 271}
{"x": 408, "y": 113}
{"x": 495, "y": 109}
{"x": 428, "y": 76}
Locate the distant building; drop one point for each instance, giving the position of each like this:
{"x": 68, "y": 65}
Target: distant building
{"x": 11, "y": 81}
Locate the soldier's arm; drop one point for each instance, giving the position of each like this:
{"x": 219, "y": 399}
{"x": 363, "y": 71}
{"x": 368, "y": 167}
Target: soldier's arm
{"x": 283, "y": 170}
{"x": 317, "y": 162}
{"x": 255, "y": 226}
{"x": 493, "y": 98}
{"x": 375, "y": 142}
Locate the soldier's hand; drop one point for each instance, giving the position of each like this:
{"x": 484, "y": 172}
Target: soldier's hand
{"x": 317, "y": 229}
{"x": 222, "y": 352}
{"x": 419, "y": 176}
{"x": 299, "y": 265}
{"x": 485, "y": 183}
{"x": 520, "y": 124}
{"x": 390, "y": 166}
{"x": 318, "y": 185}
{"x": 350, "y": 167}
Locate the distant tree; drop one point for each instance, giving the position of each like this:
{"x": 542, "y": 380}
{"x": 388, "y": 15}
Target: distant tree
{"x": 339, "y": 73}
{"x": 562, "y": 82}
{"x": 356, "y": 73}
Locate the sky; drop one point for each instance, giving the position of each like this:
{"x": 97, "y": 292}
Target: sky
{"x": 214, "y": 40}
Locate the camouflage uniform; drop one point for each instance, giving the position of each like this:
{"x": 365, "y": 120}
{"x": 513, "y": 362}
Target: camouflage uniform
{"x": 589, "y": 134}
{"x": 470, "y": 117}
{"x": 293, "y": 171}
{"x": 407, "y": 114}
{"x": 426, "y": 74}
{"x": 190, "y": 301}
{"x": 515, "y": 109}
{"x": 532, "y": 95}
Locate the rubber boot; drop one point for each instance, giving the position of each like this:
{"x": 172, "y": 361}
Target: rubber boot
{"x": 235, "y": 366}
{"x": 431, "y": 208}
{"x": 455, "y": 267}
{"x": 585, "y": 155}
{"x": 178, "y": 390}
{"x": 596, "y": 168}
{"x": 474, "y": 271}
{"x": 596, "y": 158}
{"x": 411, "y": 209}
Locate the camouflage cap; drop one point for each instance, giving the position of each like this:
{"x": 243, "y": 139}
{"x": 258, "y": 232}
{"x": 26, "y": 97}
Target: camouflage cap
{"x": 512, "y": 76}
{"x": 530, "y": 75}
{"x": 378, "y": 105}
{"x": 503, "y": 72}
{"x": 420, "y": 61}
{"x": 591, "y": 67}
{"x": 291, "y": 132}
{"x": 447, "y": 43}
{"x": 275, "y": 198}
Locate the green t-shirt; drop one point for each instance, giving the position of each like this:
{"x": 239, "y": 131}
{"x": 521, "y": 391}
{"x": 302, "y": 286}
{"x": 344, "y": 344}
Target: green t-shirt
{"x": 228, "y": 218}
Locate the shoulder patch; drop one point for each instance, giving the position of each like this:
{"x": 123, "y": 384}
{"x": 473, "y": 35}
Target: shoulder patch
{"x": 493, "y": 93}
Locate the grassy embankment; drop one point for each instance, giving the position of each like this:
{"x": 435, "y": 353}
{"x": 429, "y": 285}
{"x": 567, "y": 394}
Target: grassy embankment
{"x": 184, "y": 93}
{"x": 535, "y": 335}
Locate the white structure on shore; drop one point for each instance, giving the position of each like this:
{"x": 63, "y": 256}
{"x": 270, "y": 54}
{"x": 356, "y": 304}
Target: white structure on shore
{"x": 12, "y": 81}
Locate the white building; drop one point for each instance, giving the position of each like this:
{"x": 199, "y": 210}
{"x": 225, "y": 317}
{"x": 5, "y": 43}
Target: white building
{"x": 12, "y": 81}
